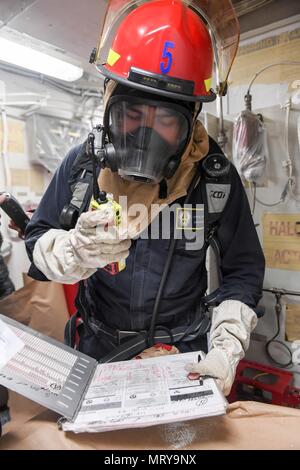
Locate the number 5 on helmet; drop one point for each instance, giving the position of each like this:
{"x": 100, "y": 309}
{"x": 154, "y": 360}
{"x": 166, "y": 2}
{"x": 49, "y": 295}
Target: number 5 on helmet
{"x": 169, "y": 47}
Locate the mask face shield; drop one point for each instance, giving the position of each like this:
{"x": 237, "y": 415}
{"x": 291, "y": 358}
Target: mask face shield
{"x": 149, "y": 136}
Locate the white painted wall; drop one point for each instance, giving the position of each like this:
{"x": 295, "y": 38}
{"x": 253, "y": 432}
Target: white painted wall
{"x": 268, "y": 100}
{"x": 274, "y": 118}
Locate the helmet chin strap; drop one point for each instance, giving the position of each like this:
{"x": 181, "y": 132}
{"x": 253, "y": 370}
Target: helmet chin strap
{"x": 198, "y": 109}
{"x": 163, "y": 189}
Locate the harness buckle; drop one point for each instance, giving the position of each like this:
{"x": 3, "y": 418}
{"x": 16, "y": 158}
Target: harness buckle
{"x": 125, "y": 334}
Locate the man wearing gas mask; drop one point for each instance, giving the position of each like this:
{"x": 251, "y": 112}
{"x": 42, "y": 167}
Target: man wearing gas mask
{"x": 157, "y": 59}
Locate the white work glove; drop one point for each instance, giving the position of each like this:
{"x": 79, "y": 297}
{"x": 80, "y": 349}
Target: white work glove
{"x": 232, "y": 324}
{"x": 75, "y": 255}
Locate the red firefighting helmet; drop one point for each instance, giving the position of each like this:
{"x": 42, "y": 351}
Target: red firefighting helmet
{"x": 166, "y": 46}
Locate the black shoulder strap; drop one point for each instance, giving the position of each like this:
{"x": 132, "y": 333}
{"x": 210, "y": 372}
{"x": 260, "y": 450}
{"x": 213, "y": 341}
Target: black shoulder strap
{"x": 81, "y": 163}
{"x": 215, "y": 192}
{"x": 81, "y": 185}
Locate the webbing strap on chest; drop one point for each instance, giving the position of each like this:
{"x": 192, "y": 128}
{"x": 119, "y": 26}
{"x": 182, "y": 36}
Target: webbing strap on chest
{"x": 134, "y": 345}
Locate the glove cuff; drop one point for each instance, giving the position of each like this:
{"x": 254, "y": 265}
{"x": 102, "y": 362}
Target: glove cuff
{"x": 232, "y": 324}
{"x": 54, "y": 256}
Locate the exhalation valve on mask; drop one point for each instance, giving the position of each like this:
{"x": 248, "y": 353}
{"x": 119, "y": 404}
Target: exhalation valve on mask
{"x": 250, "y": 146}
{"x": 144, "y": 155}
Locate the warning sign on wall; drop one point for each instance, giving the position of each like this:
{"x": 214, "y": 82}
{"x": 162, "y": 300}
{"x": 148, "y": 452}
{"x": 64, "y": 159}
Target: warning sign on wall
{"x": 281, "y": 240}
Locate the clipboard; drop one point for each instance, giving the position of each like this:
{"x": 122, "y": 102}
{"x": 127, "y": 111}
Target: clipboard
{"x": 47, "y": 372}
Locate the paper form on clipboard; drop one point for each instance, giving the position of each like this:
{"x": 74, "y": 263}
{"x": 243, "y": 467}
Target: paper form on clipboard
{"x": 103, "y": 397}
{"x": 146, "y": 392}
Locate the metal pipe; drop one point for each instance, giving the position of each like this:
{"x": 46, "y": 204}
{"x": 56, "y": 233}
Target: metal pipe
{"x": 276, "y": 291}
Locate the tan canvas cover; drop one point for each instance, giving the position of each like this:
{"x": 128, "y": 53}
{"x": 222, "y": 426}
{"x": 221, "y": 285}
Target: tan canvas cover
{"x": 247, "y": 425}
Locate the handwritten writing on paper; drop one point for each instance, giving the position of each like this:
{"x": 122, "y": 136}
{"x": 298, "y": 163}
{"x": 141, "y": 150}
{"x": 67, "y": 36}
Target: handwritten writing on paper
{"x": 143, "y": 393}
{"x": 45, "y": 370}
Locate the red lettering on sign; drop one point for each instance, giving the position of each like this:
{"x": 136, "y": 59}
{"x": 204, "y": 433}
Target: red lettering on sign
{"x": 282, "y": 228}
{"x": 286, "y": 256}
{"x": 273, "y": 228}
